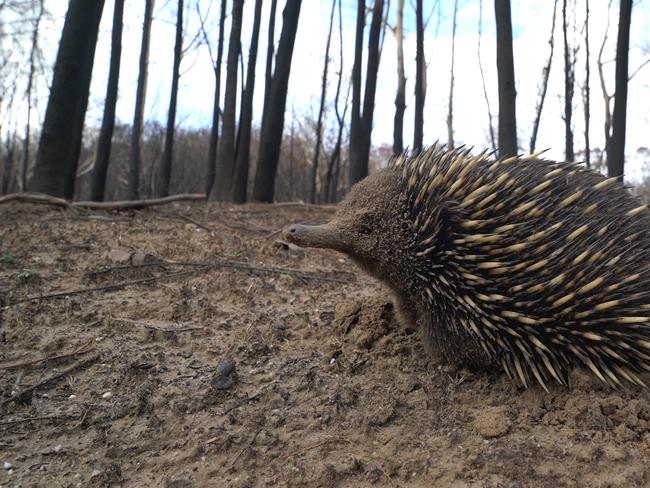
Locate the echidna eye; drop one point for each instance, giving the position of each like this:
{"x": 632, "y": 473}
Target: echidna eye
{"x": 365, "y": 230}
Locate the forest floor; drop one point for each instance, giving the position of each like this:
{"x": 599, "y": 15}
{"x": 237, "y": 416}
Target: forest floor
{"x": 124, "y": 378}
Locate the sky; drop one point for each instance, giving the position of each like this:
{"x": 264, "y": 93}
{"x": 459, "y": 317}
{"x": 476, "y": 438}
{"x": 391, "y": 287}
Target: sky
{"x": 531, "y": 29}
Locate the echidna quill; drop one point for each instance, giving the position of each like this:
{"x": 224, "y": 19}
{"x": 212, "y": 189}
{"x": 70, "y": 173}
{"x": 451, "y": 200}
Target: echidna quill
{"x": 534, "y": 265}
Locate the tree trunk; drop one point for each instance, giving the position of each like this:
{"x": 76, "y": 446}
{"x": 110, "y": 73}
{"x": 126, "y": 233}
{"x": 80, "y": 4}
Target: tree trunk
{"x": 273, "y": 120}
{"x": 355, "y": 117}
{"x": 543, "y": 87}
{"x": 216, "y": 107}
{"x": 450, "y": 113}
{"x": 135, "y": 153}
{"x": 616, "y": 147}
{"x": 400, "y": 97}
{"x": 270, "y": 50}
{"x": 10, "y": 149}
{"x": 321, "y": 109}
{"x": 30, "y": 86}
{"x": 506, "y": 80}
{"x": 58, "y": 151}
{"x": 108, "y": 121}
{"x": 360, "y": 141}
{"x": 420, "y": 79}
{"x": 569, "y": 77}
{"x": 240, "y": 180}
{"x": 168, "y": 152}
{"x": 226, "y": 152}
{"x": 480, "y": 67}
{"x": 586, "y": 89}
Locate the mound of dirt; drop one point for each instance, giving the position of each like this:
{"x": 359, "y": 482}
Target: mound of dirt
{"x": 186, "y": 347}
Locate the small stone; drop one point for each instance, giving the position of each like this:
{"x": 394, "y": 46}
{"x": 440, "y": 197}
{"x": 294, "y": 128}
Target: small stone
{"x": 72, "y": 397}
{"x": 492, "y": 422}
{"x": 223, "y": 379}
{"x": 107, "y": 396}
{"x": 58, "y": 448}
{"x": 7, "y": 465}
{"x": 95, "y": 473}
{"x": 45, "y": 395}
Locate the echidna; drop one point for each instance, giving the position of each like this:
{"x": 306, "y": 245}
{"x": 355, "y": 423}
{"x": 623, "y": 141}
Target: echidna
{"x": 522, "y": 262}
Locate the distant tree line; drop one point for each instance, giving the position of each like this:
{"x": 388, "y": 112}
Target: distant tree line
{"x": 235, "y": 160}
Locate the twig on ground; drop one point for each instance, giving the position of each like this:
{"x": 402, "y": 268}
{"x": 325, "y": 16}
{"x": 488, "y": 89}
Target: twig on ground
{"x": 42, "y": 198}
{"x": 84, "y": 363}
{"x": 102, "y": 288}
{"x": 316, "y": 446}
{"x": 44, "y": 417}
{"x": 84, "y": 348}
{"x": 148, "y": 325}
{"x": 246, "y": 447}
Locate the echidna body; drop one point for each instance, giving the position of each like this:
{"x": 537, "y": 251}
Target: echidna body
{"x": 530, "y": 264}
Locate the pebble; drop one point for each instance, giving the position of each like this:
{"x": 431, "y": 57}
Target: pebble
{"x": 223, "y": 379}
{"x": 58, "y": 448}
{"x": 107, "y": 396}
{"x": 72, "y": 397}
{"x": 7, "y": 465}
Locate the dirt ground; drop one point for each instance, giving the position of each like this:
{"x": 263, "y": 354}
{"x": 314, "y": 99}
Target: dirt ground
{"x": 126, "y": 377}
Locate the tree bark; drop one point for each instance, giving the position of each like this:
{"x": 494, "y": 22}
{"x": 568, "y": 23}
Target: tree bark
{"x": 273, "y": 119}
{"x": 400, "y": 97}
{"x": 480, "y": 67}
{"x": 240, "y": 180}
{"x": 216, "y": 107}
{"x": 108, "y": 121}
{"x": 58, "y": 150}
{"x": 506, "y": 80}
{"x": 30, "y": 86}
{"x": 270, "y": 50}
{"x": 226, "y": 152}
{"x": 586, "y": 89}
{"x": 543, "y": 87}
{"x": 361, "y": 137}
{"x": 321, "y": 109}
{"x": 168, "y": 152}
{"x": 450, "y": 113}
{"x": 135, "y": 153}
{"x": 569, "y": 81}
{"x": 420, "y": 79}
{"x": 616, "y": 147}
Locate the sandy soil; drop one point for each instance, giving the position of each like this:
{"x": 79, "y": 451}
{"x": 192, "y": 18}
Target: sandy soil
{"x": 327, "y": 389}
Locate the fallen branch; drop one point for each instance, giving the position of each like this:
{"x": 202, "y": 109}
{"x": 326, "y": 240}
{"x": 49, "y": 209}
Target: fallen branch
{"x": 41, "y": 198}
{"x": 87, "y": 347}
{"x": 84, "y": 363}
{"x": 44, "y": 417}
{"x": 315, "y": 446}
{"x": 148, "y": 325}
{"x": 114, "y": 286}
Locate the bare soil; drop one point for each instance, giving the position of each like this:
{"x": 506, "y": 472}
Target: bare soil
{"x": 113, "y": 381}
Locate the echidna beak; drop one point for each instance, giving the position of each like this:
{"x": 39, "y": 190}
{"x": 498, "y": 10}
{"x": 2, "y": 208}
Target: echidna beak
{"x": 323, "y": 236}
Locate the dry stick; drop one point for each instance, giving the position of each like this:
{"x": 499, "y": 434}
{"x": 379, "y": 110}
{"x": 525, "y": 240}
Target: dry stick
{"x": 45, "y": 417}
{"x": 78, "y": 365}
{"x": 315, "y": 446}
{"x": 100, "y": 288}
{"x": 121, "y": 205}
{"x": 89, "y": 346}
{"x": 157, "y": 327}
{"x": 245, "y": 447}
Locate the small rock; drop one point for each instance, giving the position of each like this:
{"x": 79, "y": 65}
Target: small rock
{"x": 72, "y": 397}
{"x": 58, "y": 448}
{"x": 223, "y": 379}
{"x": 492, "y": 422}
{"x": 95, "y": 473}
{"x": 107, "y": 396}
{"x": 7, "y": 465}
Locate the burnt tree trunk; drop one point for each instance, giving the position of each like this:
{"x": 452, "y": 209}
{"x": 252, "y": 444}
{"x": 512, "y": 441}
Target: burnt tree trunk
{"x": 240, "y": 179}
{"x": 216, "y": 107}
{"x": 135, "y": 153}
{"x": 360, "y": 145}
{"x": 586, "y": 90}
{"x": 30, "y": 87}
{"x": 355, "y": 117}
{"x": 108, "y": 121}
{"x": 543, "y": 87}
{"x": 400, "y": 97}
{"x": 569, "y": 82}
{"x": 321, "y": 109}
{"x": 226, "y": 153}
{"x": 270, "y": 50}
{"x": 58, "y": 150}
{"x": 616, "y": 147}
{"x": 450, "y": 112}
{"x": 420, "y": 79}
{"x": 273, "y": 119}
{"x": 168, "y": 152}
{"x": 506, "y": 80}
